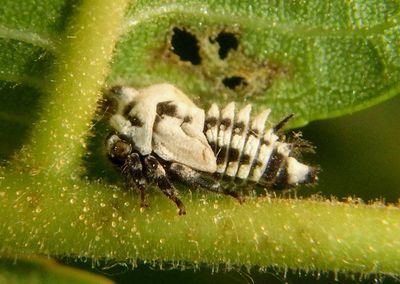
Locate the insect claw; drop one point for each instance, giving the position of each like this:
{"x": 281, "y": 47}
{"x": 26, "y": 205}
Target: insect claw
{"x": 182, "y": 210}
{"x": 235, "y": 195}
{"x": 238, "y": 197}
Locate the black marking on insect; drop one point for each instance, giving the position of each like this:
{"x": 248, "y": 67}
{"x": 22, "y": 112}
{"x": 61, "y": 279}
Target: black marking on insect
{"x": 166, "y": 108}
{"x": 161, "y": 136}
{"x": 135, "y": 121}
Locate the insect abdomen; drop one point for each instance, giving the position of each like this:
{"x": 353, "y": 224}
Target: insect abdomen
{"x": 247, "y": 150}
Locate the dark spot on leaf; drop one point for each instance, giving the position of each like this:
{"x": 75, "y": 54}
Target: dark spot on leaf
{"x": 186, "y": 46}
{"x": 234, "y": 82}
{"x": 215, "y": 55}
{"x": 226, "y": 41}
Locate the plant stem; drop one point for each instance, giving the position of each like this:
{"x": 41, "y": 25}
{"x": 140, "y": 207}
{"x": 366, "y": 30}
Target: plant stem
{"x": 100, "y": 222}
{"x": 58, "y": 139}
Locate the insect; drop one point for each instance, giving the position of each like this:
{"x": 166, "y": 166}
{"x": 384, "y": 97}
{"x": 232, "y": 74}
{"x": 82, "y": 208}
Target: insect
{"x": 160, "y": 136}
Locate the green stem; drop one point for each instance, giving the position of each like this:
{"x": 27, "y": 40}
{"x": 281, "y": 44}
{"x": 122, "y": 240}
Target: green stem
{"x": 58, "y": 139}
{"x": 101, "y": 222}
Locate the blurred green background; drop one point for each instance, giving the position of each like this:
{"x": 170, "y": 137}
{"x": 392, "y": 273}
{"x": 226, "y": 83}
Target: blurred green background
{"x": 359, "y": 154}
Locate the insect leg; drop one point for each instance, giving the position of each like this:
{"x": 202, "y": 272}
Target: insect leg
{"x": 155, "y": 172}
{"x": 120, "y": 154}
{"x": 133, "y": 169}
{"x": 197, "y": 179}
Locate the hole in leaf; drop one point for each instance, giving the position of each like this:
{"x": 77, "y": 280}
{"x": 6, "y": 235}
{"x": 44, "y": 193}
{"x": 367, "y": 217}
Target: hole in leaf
{"x": 186, "y": 46}
{"x": 226, "y": 41}
{"x": 234, "y": 82}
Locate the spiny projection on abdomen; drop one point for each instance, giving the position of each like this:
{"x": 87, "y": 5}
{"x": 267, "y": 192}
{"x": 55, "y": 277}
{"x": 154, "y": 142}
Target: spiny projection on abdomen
{"x": 248, "y": 150}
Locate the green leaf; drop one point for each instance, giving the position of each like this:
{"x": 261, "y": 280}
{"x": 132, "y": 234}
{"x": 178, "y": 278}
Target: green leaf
{"x": 29, "y": 35}
{"x": 36, "y": 269}
{"x": 315, "y": 59}
{"x": 71, "y": 84}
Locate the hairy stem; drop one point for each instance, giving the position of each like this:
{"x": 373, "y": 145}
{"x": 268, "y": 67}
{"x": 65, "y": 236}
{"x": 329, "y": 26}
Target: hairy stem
{"x": 101, "y": 222}
{"x": 58, "y": 139}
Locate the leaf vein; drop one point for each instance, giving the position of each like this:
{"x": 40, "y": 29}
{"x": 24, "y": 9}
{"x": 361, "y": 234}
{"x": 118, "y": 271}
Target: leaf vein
{"x": 257, "y": 22}
{"x": 28, "y": 37}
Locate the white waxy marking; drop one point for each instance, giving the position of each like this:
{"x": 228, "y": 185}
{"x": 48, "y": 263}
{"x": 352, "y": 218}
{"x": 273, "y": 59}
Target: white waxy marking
{"x": 283, "y": 148}
{"x": 297, "y": 172}
{"x": 225, "y": 134}
{"x": 173, "y": 137}
{"x": 174, "y": 143}
{"x": 120, "y": 124}
{"x": 118, "y": 121}
{"x": 125, "y": 96}
{"x": 238, "y": 140}
{"x": 146, "y": 101}
{"x": 253, "y": 142}
{"x": 212, "y": 131}
{"x": 264, "y": 155}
